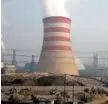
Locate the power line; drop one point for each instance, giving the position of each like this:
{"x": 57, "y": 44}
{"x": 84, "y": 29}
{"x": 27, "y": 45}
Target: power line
{"x": 77, "y": 51}
{"x": 83, "y": 57}
{"x": 20, "y": 58}
{"x": 46, "y": 62}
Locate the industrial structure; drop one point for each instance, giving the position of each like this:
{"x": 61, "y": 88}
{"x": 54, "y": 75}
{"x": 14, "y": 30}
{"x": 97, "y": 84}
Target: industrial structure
{"x": 56, "y": 55}
{"x": 9, "y": 69}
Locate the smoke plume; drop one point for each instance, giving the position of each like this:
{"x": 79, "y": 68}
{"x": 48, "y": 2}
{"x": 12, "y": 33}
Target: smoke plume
{"x": 54, "y": 8}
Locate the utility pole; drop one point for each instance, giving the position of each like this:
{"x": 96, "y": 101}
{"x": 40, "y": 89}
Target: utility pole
{"x": 73, "y": 91}
{"x": 33, "y": 64}
{"x": 95, "y": 60}
{"x": 2, "y": 57}
{"x": 33, "y": 59}
{"x": 65, "y": 88}
{"x": 107, "y": 62}
{"x": 107, "y": 67}
{"x": 14, "y": 57}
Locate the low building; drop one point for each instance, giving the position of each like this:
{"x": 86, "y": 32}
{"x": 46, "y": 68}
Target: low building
{"x": 2, "y": 64}
{"x": 9, "y": 68}
{"x": 31, "y": 66}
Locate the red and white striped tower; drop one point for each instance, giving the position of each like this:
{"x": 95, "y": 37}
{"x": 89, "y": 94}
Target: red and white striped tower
{"x": 56, "y": 55}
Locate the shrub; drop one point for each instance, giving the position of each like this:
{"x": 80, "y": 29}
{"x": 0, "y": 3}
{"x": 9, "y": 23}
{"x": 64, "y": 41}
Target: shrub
{"x": 86, "y": 98}
{"x": 86, "y": 90}
{"x": 14, "y": 99}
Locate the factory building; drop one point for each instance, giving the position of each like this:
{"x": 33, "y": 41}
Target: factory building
{"x": 31, "y": 67}
{"x": 9, "y": 69}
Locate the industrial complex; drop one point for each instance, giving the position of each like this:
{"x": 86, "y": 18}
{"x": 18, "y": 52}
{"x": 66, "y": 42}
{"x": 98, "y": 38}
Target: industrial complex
{"x": 57, "y": 75}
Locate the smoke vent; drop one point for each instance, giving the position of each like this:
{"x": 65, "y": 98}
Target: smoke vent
{"x": 56, "y": 55}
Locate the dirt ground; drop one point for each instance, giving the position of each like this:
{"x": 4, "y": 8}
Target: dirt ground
{"x": 99, "y": 101}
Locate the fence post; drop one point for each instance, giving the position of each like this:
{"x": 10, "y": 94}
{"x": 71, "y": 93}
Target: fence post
{"x": 65, "y": 88}
{"x": 73, "y": 92}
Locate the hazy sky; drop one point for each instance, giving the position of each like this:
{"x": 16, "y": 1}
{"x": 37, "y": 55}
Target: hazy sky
{"x": 89, "y": 30}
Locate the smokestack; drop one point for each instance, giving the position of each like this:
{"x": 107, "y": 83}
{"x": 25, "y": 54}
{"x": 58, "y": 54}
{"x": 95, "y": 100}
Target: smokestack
{"x": 56, "y": 55}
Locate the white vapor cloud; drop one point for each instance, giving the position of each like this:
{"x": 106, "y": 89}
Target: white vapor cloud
{"x": 59, "y": 7}
{"x": 54, "y": 8}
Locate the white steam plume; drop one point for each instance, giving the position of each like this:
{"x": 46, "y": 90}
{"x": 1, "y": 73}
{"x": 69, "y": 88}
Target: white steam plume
{"x": 54, "y": 8}
{"x": 3, "y": 24}
{"x": 2, "y": 46}
{"x": 58, "y": 7}
{"x": 79, "y": 64}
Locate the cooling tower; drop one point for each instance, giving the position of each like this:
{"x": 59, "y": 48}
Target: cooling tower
{"x": 56, "y": 55}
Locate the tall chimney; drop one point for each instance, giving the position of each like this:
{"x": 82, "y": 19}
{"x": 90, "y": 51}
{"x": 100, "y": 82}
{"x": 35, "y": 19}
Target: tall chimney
{"x": 56, "y": 55}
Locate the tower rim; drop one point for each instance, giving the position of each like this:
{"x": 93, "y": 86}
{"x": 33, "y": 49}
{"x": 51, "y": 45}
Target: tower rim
{"x": 56, "y": 17}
